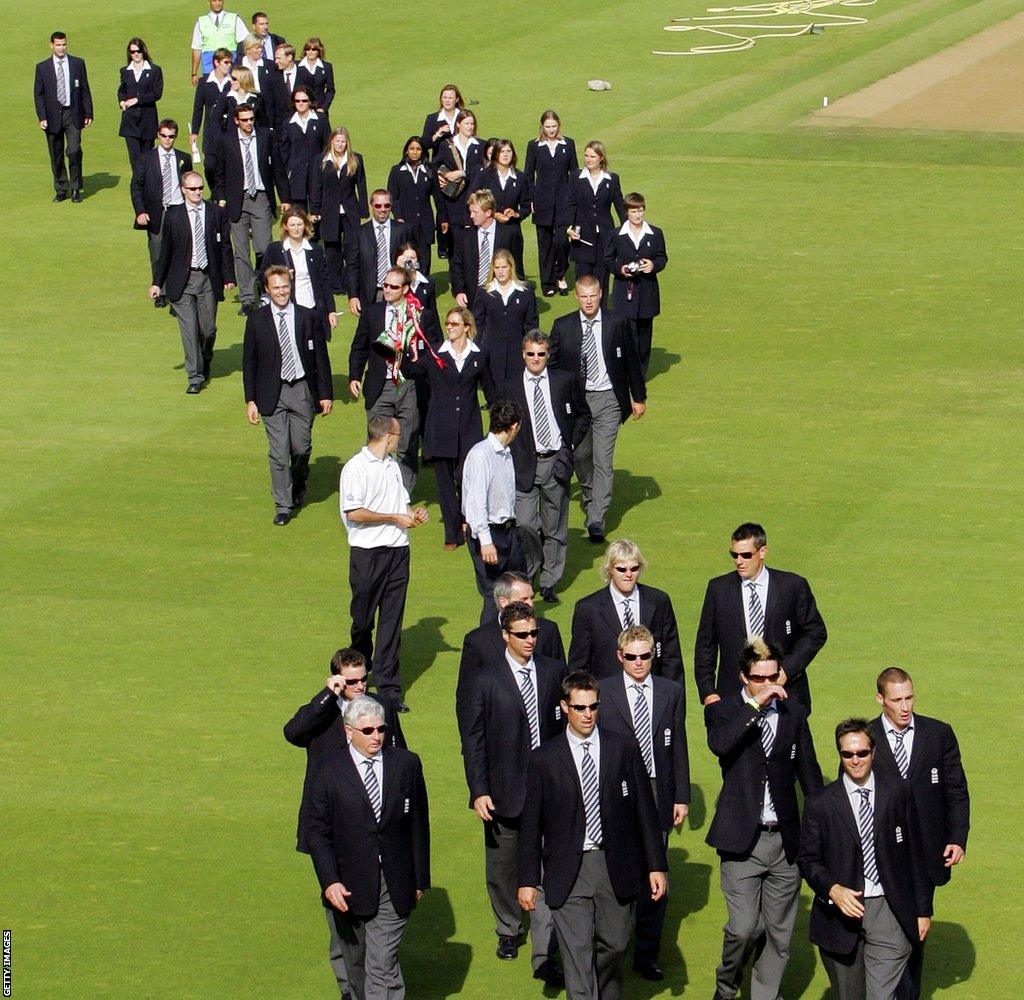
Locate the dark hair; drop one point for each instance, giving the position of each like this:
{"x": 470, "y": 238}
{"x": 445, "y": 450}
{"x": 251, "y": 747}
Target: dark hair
{"x": 505, "y": 144}
{"x": 634, "y": 200}
{"x": 578, "y": 680}
{"x": 505, "y": 414}
{"x": 346, "y": 657}
{"x": 401, "y": 252}
{"x": 259, "y": 13}
{"x": 418, "y": 139}
{"x": 490, "y": 148}
{"x": 758, "y": 650}
{"x": 751, "y": 530}
{"x": 139, "y": 44}
{"x": 535, "y": 337}
{"x": 58, "y": 34}
{"x": 892, "y": 675}
{"x": 168, "y": 123}
{"x": 516, "y": 611}
{"x": 377, "y": 428}
{"x": 459, "y": 102}
{"x": 303, "y": 89}
{"x": 861, "y": 726}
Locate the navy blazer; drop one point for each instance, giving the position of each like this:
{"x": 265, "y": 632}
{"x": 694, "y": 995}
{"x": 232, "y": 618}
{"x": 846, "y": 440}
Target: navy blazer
{"x": 553, "y": 824}
{"x": 261, "y": 358}
{"x": 547, "y": 180}
{"x": 501, "y": 325}
{"x": 301, "y": 153}
{"x": 320, "y": 728}
{"x": 320, "y": 81}
{"x": 596, "y": 629}
{"x": 228, "y": 172}
{"x": 621, "y": 358}
{"x": 432, "y": 147}
{"x": 485, "y": 643}
{"x": 830, "y": 854}
{"x": 361, "y": 258}
{"x": 174, "y": 264}
{"x": 140, "y": 120}
{"x": 333, "y": 191}
{"x": 465, "y": 263}
{"x": 791, "y": 621}
{"x": 410, "y": 201}
{"x": 734, "y": 737}
{"x": 349, "y": 845}
{"x": 938, "y": 784}
{"x": 514, "y": 194}
{"x": 212, "y": 104}
{"x": 45, "y": 93}
{"x": 636, "y": 297}
{"x": 147, "y": 187}
{"x": 495, "y": 730}
{"x": 316, "y": 263}
{"x": 592, "y": 211}
{"x": 668, "y": 731}
{"x": 456, "y": 210}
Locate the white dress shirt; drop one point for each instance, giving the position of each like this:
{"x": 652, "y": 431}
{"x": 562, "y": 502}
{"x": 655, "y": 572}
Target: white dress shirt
{"x": 908, "y": 736}
{"x": 554, "y": 435}
{"x": 552, "y": 145}
{"x": 249, "y": 141}
{"x": 458, "y": 359}
{"x": 576, "y": 749}
{"x": 595, "y": 182}
{"x": 504, "y": 178}
{"x": 139, "y": 68}
{"x": 488, "y": 487}
{"x": 771, "y": 716}
{"x": 637, "y": 237}
{"x": 191, "y": 214}
{"x": 378, "y": 768}
{"x": 289, "y": 319}
{"x": 303, "y": 281}
{"x": 375, "y": 484}
{"x": 761, "y": 584}
{"x": 508, "y": 291}
{"x": 620, "y": 600}
{"x": 254, "y": 68}
{"x": 598, "y": 381}
{"x": 490, "y": 231}
{"x": 60, "y": 66}
{"x": 648, "y": 687}
{"x": 871, "y": 889}
{"x": 303, "y": 120}
{"x": 515, "y": 667}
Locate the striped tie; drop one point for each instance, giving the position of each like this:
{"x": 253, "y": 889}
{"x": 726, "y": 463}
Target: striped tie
{"x": 199, "y": 239}
{"x": 756, "y": 611}
{"x": 900, "y": 751}
{"x": 767, "y": 742}
{"x": 288, "y": 369}
{"x": 372, "y": 788}
{"x": 382, "y": 255}
{"x": 590, "y": 359}
{"x": 591, "y": 796}
{"x": 866, "y": 824}
{"x": 540, "y": 416}
{"x": 250, "y": 169}
{"x": 642, "y": 725}
{"x": 168, "y": 178}
{"x": 62, "y": 85}
{"x": 485, "y": 258}
{"x": 628, "y": 621}
{"x": 530, "y": 701}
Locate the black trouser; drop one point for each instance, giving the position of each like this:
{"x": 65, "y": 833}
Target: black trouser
{"x": 448, "y": 472}
{"x": 650, "y": 916}
{"x": 644, "y": 333}
{"x": 505, "y": 538}
{"x": 136, "y": 147}
{"x": 70, "y": 135}
{"x": 552, "y": 255}
{"x": 515, "y": 245}
{"x": 379, "y": 578}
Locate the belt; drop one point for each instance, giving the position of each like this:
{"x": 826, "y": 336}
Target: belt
{"x": 301, "y": 378}
{"x": 199, "y": 270}
{"x": 769, "y": 827}
{"x": 510, "y": 523}
{"x": 546, "y": 454}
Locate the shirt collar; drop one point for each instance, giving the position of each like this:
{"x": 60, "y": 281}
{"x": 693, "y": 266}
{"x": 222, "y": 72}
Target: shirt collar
{"x": 311, "y": 117}
{"x": 515, "y": 665}
{"x": 145, "y": 65}
{"x": 560, "y": 141}
{"x": 305, "y": 245}
{"x": 645, "y": 229}
{"x": 596, "y": 320}
{"x": 317, "y": 65}
{"x": 288, "y": 310}
{"x": 602, "y": 176}
{"x": 369, "y": 455}
{"x": 446, "y": 348}
{"x": 620, "y": 598}
{"x": 511, "y": 172}
{"x": 488, "y": 229}
{"x": 499, "y": 448}
{"x": 890, "y": 728}
{"x": 57, "y": 60}
{"x": 852, "y": 787}
{"x": 360, "y": 757}
{"x": 761, "y": 580}
{"x": 527, "y": 374}
{"x": 412, "y": 170}
{"x": 576, "y": 741}
{"x": 646, "y": 683}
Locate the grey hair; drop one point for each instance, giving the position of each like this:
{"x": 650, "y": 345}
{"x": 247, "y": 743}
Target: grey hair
{"x": 363, "y": 707}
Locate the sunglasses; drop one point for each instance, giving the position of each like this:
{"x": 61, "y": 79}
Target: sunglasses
{"x": 194, "y": 187}
{"x": 741, "y": 555}
{"x": 763, "y": 678}
{"x": 592, "y": 707}
{"x": 530, "y": 633}
{"x": 370, "y": 730}
{"x": 168, "y": 135}
{"x": 134, "y": 52}
{"x": 631, "y": 657}
{"x": 378, "y": 205}
{"x": 627, "y": 569}
{"x": 353, "y": 681}
{"x": 302, "y": 100}
{"x": 859, "y": 754}
{"x": 536, "y": 354}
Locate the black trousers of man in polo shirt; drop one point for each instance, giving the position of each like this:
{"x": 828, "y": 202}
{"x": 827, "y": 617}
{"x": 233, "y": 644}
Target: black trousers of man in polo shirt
{"x": 510, "y": 557}
{"x": 379, "y": 578}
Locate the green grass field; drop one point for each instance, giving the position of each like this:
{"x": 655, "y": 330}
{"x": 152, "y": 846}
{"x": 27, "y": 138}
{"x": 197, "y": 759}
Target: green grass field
{"x": 839, "y": 357}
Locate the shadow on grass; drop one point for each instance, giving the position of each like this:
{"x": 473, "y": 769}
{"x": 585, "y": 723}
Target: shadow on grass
{"x": 421, "y": 644}
{"x": 98, "y": 182}
{"x": 434, "y": 966}
{"x": 661, "y": 361}
{"x": 324, "y": 472}
{"x": 949, "y": 958}
{"x": 226, "y": 360}
{"x": 630, "y": 491}
{"x": 698, "y": 813}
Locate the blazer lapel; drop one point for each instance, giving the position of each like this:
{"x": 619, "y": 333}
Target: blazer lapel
{"x": 392, "y": 784}
{"x": 608, "y": 612}
{"x": 736, "y": 600}
{"x": 660, "y": 703}
{"x": 506, "y": 679}
{"x": 920, "y": 746}
{"x": 646, "y": 607}
{"x": 842, "y": 805}
{"x": 614, "y": 696}
{"x": 350, "y": 773}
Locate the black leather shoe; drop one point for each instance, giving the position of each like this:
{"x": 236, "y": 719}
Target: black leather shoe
{"x": 550, "y": 973}
{"x": 649, "y": 970}
{"x": 563, "y": 288}
{"x": 595, "y": 532}
{"x": 548, "y": 595}
{"x": 508, "y": 948}
{"x": 283, "y": 518}
{"x": 160, "y": 302}
{"x": 60, "y": 196}
{"x": 549, "y": 293}
{"x": 194, "y": 389}
{"x": 298, "y": 499}
{"x": 400, "y": 706}
{"x": 76, "y": 196}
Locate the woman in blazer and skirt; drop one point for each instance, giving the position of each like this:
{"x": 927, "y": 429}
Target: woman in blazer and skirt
{"x": 411, "y": 186}
{"x": 511, "y": 196}
{"x": 453, "y": 423}
{"x": 504, "y": 313}
{"x": 439, "y": 128}
{"x": 313, "y": 71}
{"x": 592, "y": 194}
{"x": 302, "y": 144}
{"x": 550, "y": 166}
{"x": 457, "y": 164}
{"x": 141, "y": 86}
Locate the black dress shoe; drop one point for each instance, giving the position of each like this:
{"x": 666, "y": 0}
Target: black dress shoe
{"x": 298, "y": 499}
{"x": 76, "y": 196}
{"x": 194, "y": 388}
{"x": 548, "y": 595}
{"x": 160, "y": 302}
{"x": 595, "y": 532}
{"x": 550, "y": 973}
{"x": 283, "y": 518}
{"x": 508, "y": 947}
{"x": 60, "y": 196}
{"x": 649, "y": 970}
{"x": 549, "y": 293}
{"x": 563, "y": 289}
{"x": 400, "y": 706}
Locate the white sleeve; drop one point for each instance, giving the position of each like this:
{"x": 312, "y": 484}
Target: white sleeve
{"x": 197, "y": 37}
{"x": 474, "y": 495}
{"x": 352, "y": 488}
{"x": 241, "y": 29}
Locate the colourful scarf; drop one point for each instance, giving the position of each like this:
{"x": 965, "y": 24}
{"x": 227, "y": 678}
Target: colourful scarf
{"x": 406, "y": 335}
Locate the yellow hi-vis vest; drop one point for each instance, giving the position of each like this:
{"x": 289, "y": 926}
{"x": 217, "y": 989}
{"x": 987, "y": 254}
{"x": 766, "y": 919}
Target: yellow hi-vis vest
{"x": 214, "y": 37}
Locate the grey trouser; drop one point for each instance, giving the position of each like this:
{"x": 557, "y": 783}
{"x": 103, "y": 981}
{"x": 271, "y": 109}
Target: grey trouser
{"x": 336, "y": 955}
{"x": 196, "y": 312}
{"x": 874, "y": 968}
{"x": 501, "y": 861}
{"x": 290, "y": 437}
{"x": 762, "y": 891}
{"x": 253, "y": 225}
{"x": 593, "y": 930}
{"x": 153, "y": 241}
{"x": 68, "y": 141}
{"x": 543, "y": 519}
{"x": 399, "y": 401}
{"x": 370, "y": 949}
{"x": 595, "y": 454}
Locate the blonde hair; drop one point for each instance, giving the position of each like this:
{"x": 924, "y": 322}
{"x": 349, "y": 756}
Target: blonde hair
{"x": 467, "y": 318}
{"x": 245, "y": 81}
{"x": 329, "y": 155}
{"x": 506, "y": 256}
{"x": 621, "y": 549}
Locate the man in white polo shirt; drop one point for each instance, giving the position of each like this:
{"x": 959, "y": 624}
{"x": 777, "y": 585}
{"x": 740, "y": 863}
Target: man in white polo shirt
{"x": 377, "y": 515}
